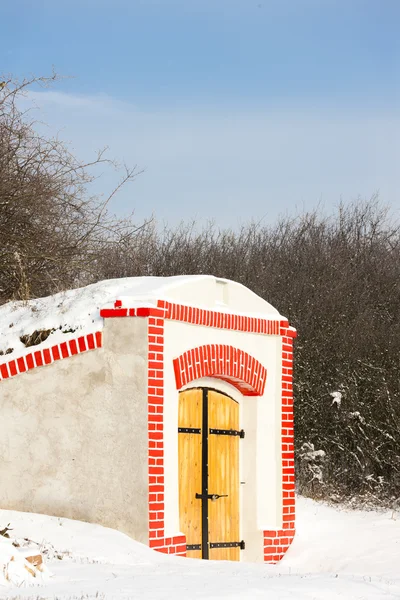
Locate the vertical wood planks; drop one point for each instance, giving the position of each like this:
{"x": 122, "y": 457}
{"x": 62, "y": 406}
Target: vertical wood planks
{"x": 223, "y": 464}
{"x": 189, "y": 453}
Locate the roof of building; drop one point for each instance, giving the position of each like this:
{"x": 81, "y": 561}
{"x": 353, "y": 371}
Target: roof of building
{"x": 75, "y": 312}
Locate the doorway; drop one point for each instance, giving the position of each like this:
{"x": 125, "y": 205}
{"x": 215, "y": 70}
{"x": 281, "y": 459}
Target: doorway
{"x": 208, "y": 447}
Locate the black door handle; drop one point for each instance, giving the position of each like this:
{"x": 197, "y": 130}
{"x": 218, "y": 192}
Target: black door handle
{"x": 212, "y": 497}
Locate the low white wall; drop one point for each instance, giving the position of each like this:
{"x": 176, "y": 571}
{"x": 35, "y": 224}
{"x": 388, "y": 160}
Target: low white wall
{"x": 260, "y": 417}
{"x": 73, "y": 434}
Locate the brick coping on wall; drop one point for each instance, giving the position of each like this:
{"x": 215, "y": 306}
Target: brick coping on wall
{"x": 40, "y": 357}
{"x": 276, "y": 542}
{"x": 201, "y": 316}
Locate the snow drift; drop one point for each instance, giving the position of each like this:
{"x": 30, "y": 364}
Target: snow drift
{"x": 336, "y": 554}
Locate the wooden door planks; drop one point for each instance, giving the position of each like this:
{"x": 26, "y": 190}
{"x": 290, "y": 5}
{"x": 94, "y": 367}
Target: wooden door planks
{"x": 189, "y": 453}
{"x": 223, "y": 466}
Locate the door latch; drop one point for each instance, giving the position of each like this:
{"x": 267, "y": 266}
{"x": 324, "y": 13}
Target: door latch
{"x": 212, "y": 497}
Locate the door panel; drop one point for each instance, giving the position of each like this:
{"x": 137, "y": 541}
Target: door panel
{"x": 189, "y": 452}
{"x": 208, "y": 464}
{"x": 223, "y": 476}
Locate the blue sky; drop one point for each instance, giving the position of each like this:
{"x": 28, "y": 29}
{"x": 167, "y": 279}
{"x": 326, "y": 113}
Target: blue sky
{"x": 237, "y": 109}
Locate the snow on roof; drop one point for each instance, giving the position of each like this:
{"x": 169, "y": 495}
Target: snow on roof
{"x": 74, "y": 312}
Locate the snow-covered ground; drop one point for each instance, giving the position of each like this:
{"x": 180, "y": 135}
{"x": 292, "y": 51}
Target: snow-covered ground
{"x": 336, "y": 554}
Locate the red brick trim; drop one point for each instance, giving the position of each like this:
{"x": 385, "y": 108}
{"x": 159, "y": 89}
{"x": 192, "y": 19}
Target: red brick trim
{"x": 156, "y": 431}
{"x": 119, "y": 311}
{"x": 45, "y": 356}
{"x": 157, "y": 539}
{"x": 221, "y": 320}
{"x": 224, "y": 362}
{"x": 199, "y": 316}
{"x": 276, "y": 543}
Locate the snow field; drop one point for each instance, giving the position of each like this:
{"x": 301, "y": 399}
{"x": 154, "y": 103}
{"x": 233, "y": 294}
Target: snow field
{"x": 336, "y": 554}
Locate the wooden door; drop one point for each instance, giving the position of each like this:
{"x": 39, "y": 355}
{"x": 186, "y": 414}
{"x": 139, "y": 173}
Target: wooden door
{"x": 209, "y": 435}
{"x": 223, "y": 475}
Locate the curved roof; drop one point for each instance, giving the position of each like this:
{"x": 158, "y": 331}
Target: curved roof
{"x": 202, "y": 291}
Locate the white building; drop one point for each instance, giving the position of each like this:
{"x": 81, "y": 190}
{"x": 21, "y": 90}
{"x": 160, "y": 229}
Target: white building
{"x": 172, "y": 421}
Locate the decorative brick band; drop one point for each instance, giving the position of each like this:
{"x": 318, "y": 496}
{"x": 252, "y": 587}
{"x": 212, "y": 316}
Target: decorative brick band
{"x": 199, "y": 316}
{"x": 221, "y": 320}
{"x": 230, "y": 364}
{"x": 276, "y": 543}
{"x": 46, "y": 356}
{"x": 119, "y": 311}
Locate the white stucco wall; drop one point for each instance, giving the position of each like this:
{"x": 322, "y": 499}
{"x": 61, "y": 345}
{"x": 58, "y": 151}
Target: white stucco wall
{"x": 221, "y": 294}
{"x": 73, "y": 434}
{"x": 260, "y": 417}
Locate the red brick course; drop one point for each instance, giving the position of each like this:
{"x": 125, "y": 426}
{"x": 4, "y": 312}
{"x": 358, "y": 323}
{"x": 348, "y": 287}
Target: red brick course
{"x": 230, "y": 364}
{"x": 46, "y": 356}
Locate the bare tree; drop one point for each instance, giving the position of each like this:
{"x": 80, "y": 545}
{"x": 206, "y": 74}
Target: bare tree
{"x": 50, "y": 226}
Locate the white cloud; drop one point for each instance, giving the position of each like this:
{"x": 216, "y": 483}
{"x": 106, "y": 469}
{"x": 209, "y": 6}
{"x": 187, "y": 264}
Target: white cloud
{"x": 100, "y": 103}
{"x": 233, "y": 166}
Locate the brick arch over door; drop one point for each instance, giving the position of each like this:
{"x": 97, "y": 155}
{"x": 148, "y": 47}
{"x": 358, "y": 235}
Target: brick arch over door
{"x": 221, "y": 361}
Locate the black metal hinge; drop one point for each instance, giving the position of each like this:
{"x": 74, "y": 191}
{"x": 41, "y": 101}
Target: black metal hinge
{"x": 188, "y": 430}
{"x": 228, "y": 432}
{"x": 240, "y": 545}
{"x": 190, "y": 547}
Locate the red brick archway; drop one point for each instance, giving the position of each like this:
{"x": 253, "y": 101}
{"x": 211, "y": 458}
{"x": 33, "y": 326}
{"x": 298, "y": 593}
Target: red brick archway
{"x": 230, "y": 364}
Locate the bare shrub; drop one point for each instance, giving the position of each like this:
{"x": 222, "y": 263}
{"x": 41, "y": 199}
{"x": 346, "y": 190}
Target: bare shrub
{"x": 337, "y": 279}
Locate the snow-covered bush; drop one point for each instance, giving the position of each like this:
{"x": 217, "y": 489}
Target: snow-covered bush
{"x": 311, "y": 466}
